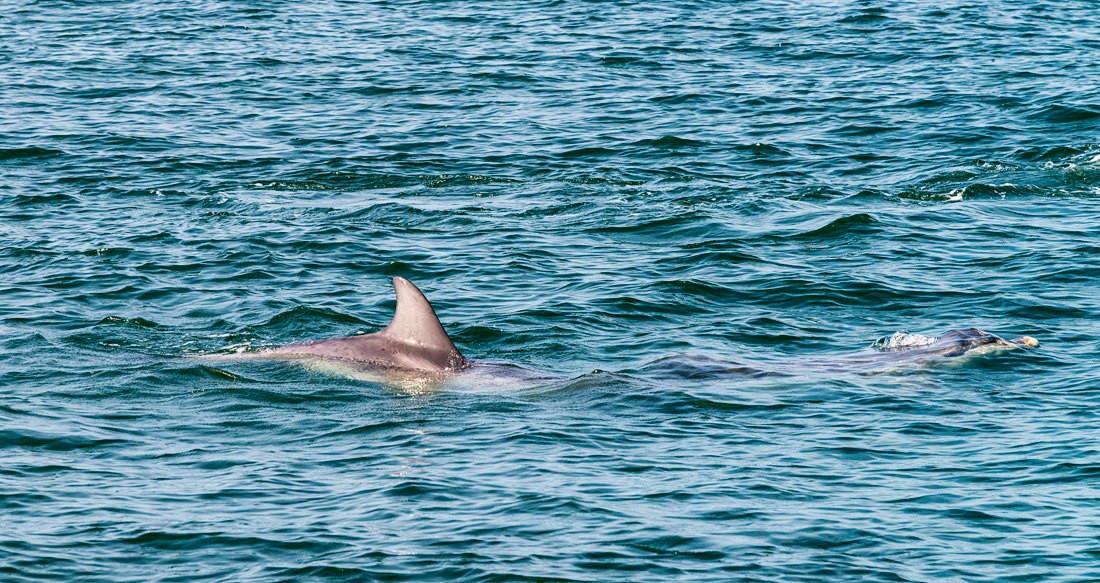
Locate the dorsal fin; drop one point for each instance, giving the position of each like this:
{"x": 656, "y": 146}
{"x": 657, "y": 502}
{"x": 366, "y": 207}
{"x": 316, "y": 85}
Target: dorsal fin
{"x": 414, "y": 321}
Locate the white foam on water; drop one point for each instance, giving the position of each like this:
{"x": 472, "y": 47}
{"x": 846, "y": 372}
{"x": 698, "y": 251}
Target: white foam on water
{"x": 902, "y": 339}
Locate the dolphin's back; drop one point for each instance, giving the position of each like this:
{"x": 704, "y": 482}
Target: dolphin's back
{"x": 414, "y": 339}
{"x": 959, "y": 342}
{"x": 968, "y": 341}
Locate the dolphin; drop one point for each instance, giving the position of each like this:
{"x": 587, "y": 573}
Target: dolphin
{"x": 414, "y": 349}
{"x": 919, "y": 349}
{"x": 413, "y": 340}
{"x": 966, "y": 342}
{"x": 899, "y": 352}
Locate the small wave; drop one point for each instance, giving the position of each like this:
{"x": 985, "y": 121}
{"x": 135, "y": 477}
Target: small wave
{"x": 300, "y": 314}
{"x": 866, "y": 16}
{"x": 29, "y": 152}
{"x": 973, "y": 191}
{"x": 14, "y": 438}
{"x": 353, "y": 181}
{"x": 52, "y": 199}
{"x": 129, "y": 322}
{"x": 1046, "y": 154}
{"x": 447, "y": 180}
{"x": 334, "y": 180}
{"x": 857, "y": 224}
{"x": 587, "y": 153}
{"x": 678, "y": 98}
{"x": 373, "y": 90}
{"x": 107, "y": 252}
{"x": 671, "y": 143}
{"x": 626, "y": 61}
{"x": 761, "y": 150}
{"x": 1059, "y": 113}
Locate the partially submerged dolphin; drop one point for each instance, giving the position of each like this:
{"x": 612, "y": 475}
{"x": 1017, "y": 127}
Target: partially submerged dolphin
{"x": 415, "y": 347}
{"x": 413, "y": 340}
{"x": 902, "y": 348}
{"x": 968, "y": 341}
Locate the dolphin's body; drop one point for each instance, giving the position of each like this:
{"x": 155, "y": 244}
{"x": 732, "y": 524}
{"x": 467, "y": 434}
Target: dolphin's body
{"x": 966, "y": 342}
{"x": 952, "y": 345}
{"x": 414, "y": 349}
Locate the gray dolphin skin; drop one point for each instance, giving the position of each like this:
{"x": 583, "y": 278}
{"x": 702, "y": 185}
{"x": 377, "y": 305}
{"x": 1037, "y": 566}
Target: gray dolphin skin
{"x": 952, "y": 345}
{"x": 413, "y": 340}
{"x": 970, "y": 341}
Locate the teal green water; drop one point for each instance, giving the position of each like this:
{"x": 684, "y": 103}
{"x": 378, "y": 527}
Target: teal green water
{"x": 653, "y": 204}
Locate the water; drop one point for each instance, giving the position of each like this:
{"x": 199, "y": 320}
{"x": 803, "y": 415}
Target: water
{"x": 648, "y": 203}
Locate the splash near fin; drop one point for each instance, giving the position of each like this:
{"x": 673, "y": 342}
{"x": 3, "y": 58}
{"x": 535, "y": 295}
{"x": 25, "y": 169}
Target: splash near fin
{"x": 415, "y": 323}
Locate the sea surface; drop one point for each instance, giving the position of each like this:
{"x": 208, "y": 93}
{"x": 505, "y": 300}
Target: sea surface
{"x": 682, "y": 218}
